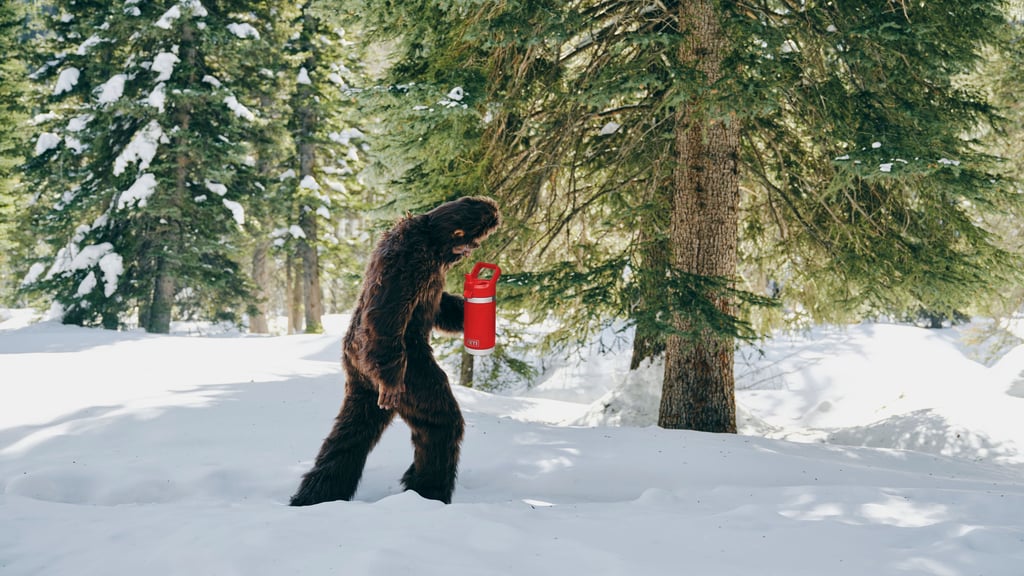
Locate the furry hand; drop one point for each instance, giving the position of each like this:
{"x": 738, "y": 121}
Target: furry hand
{"x": 390, "y": 396}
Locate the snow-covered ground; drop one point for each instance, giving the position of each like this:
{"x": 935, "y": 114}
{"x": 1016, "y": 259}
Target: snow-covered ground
{"x": 868, "y": 450}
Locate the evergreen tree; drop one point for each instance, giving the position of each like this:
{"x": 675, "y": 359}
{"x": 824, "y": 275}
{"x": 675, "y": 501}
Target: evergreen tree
{"x": 641, "y": 149}
{"x": 1003, "y": 75}
{"x": 13, "y": 115}
{"x": 269, "y": 73}
{"x": 325, "y": 193}
{"x": 134, "y": 173}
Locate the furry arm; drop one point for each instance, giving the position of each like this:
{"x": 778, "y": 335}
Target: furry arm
{"x": 450, "y": 314}
{"x": 388, "y": 313}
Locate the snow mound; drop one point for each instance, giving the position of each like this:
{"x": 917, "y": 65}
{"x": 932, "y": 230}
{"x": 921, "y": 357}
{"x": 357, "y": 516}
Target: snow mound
{"x": 877, "y": 385}
{"x": 930, "y": 432}
{"x": 634, "y": 402}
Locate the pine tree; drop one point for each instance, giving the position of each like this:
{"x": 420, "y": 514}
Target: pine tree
{"x": 268, "y": 69}
{"x": 1003, "y": 75}
{"x": 13, "y": 115}
{"x": 134, "y": 171}
{"x": 868, "y": 177}
{"x": 327, "y": 141}
{"x": 647, "y": 155}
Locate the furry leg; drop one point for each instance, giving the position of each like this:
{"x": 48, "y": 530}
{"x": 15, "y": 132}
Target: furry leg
{"x": 339, "y": 466}
{"x": 436, "y": 439}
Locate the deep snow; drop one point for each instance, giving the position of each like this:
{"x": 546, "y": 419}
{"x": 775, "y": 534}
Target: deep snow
{"x": 869, "y": 450}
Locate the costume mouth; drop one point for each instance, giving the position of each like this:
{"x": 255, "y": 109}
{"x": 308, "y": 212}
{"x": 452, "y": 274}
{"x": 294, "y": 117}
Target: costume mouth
{"x": 463, "y": 250}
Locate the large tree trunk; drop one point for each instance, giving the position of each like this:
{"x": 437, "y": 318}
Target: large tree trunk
{"x": 699, "y": 391}
{"x": 159, "y": 317}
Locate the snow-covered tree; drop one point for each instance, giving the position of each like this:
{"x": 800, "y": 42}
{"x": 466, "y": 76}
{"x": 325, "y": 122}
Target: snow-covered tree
{"x": 135, "y": 161}
{"x": 326, "y": 194}
{"x": 269, "y": 73}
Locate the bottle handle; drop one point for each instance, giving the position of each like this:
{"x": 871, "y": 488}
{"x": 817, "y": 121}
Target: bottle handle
{"x": 482, "y": 265}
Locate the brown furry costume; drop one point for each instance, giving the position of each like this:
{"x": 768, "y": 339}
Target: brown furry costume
{"x": 388, "y": 362}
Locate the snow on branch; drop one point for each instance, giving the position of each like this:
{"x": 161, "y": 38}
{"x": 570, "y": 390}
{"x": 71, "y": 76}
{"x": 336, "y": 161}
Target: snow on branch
{"x": 66, "y": 80}
{"x": 138, "y": 193}
{"x": 141, "y": 149}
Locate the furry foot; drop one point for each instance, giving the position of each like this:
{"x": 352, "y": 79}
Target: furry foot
{"x": 321, "y": 485}
{"x": 431, "y": 492}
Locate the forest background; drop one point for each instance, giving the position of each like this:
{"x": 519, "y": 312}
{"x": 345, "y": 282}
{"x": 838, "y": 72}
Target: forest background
{"x": 700, "y": 172}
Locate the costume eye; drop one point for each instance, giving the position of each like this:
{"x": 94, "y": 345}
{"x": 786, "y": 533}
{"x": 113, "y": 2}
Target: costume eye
{"x": 458, "y": 234}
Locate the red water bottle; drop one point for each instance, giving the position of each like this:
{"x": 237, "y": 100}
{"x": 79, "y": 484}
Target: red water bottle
{"x": 480, "y": 310}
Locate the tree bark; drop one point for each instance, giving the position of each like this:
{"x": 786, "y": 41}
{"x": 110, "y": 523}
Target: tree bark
{"x": 698, "y": 392}
{"x": 312, "y": 295}
{"x": 647, "y": 343}
{"x": 260, "y": 277}
{"x": 466, "y": 369}
{"x": 145, "y": 306}
{"x": 648, "y": 340}
{"x": 294, "y": 295}
{"x": 159, "y": 317}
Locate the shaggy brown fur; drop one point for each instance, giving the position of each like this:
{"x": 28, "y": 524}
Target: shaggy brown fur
{"x": 388, "y": 362}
